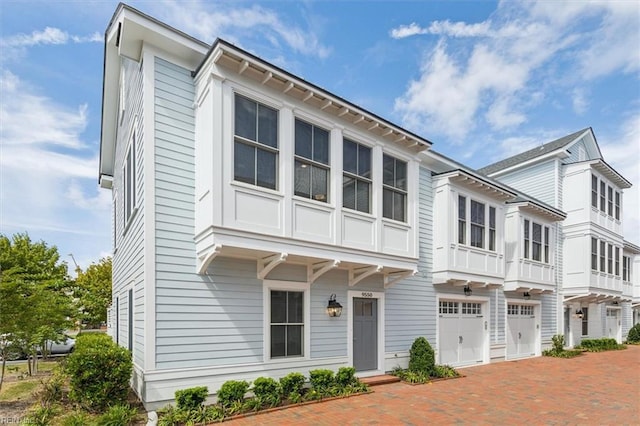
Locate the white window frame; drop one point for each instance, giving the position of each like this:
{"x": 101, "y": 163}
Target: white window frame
{"x": 304, "y": 287}
{"x": 357, "y": 177}
{"x": 311, "y": 162}
{"x": 545, "y": 243}
{"x": 486, "y": 226}
{"x": 129, "y": 181}
{"x": 396, "y": 189}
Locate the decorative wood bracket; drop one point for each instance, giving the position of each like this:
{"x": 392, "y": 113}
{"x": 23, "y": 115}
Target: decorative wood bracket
{"x": 268, "y": 263}
{"x": 393, "y": 277}
{"x": 316, "y": 270}
{"x": 205, "y": 259}
{"x": 358, "y": 274}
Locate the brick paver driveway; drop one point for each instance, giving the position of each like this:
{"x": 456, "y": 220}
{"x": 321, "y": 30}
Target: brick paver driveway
{"x": 593, "y": 389}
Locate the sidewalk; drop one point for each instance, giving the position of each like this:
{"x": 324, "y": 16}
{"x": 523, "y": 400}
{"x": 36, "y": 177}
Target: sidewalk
{"x": 593, "y": 389}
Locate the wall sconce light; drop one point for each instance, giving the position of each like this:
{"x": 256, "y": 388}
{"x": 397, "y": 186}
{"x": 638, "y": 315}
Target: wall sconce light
{"x": 579, "y": 313}
{"x": 467, "y": 290}
{"x": 615, "y": 303}
{"x": 526, "y": 295}
{"x": 334, "y": 309}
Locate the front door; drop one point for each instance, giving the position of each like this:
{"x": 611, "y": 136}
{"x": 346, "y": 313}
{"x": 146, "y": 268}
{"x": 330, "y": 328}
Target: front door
{"x": 365, "y": 334}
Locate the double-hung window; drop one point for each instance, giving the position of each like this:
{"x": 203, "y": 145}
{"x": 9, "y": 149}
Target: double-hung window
{"x": 546, "y": 244}
{"x": 130, "y": 179}
{"x": 617, "y": 271}
{"x": 255, "y": 159}
{"x": 527, "y": 238}
{"x": 536, "y": 242}
{"x": 610, "y": 201}
{"x": 477, "y": 224}
{"x": 626, "y": 268}
{"x": 287, "y": 323}
{"x": 394, "y": 188}
{"x": 594, "y": 254}
{"x": 610, "y": 259}
{"x": 492, "y": 228}
{"x": 311, "y": 162}
{"x": 594, "y": 191}
{"x": 617, "y": 205}
{"x": 603, "y": 257}
{"x": 603, "y": 199}
{"x": 462, "y": 219}
{"x": 356, "y": 178}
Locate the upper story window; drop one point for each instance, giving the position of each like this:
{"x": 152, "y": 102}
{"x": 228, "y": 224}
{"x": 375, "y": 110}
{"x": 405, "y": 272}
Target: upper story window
{"x": 617, "y": 216}
{"x": 617, "y": 260}
{"x": 594, "y": 254}
{"x": 536, "y": 241}
{"x": 130, "y": 179}
{"x": 394, "y": 188}
{"x": 255, "y": 158}
{"x": 311, "y": 161}
{"x": 474, "y": 218}
{"x": 626, "y": 268}
{"x": 610, "y": 201}
{"x": 603, "y": 199}
{"x": 594, "y": 191}
{"x": 603, "y": 257}
{"x": 610, "y": 259}
{"x": 356, "y": 178}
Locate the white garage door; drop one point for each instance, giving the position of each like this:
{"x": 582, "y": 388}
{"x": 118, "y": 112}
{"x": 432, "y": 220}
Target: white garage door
{"x": 521, "y": 331}
{"x": 460, "y": 333}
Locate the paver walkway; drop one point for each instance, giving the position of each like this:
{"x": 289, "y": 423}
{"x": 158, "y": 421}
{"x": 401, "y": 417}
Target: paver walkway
{"x": 593, "y": 389}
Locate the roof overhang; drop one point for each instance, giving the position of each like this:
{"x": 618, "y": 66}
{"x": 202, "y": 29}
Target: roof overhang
{"x": 532, "y": 207}
{"x": 244, "y": 63}
{"x": 591, "y": 297}
{"x": 630, "y": 247}
{"x": 478, "y": 184}
{"x": 610, "y": 173}
{"x": 125, "y": 36}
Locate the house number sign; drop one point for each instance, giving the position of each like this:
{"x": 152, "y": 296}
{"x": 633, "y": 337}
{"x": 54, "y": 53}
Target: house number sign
{"x": 367, "y": 294}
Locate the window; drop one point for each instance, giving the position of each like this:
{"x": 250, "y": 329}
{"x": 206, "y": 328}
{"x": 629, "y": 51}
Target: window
{"x": 446, "y": 307}
{"x": 255, "y": 159}
{"x": 626, "y": 268}
{"x": 526, "y": 239}
{"x": 512, "y": 309}
{"x": 356, "y": 179}
{"x": 115, "y": 220}
{"x": 610, "y": 201}
{"x": 526, "y": 310}
{"x": 462, "y": 219}
{"x": 130, "y": 320}
{"x": 117, "y": 327}
{"x": 602, "y": 196}
{"x": 610, "y": 259}
{"x": 617, "y": 205}
{"x": 594, "y": 191}
{"x": 287, "y": 323}
{"x": 477, "y": 224}
{"x": 617, "y": 271}
{"x": 394, "y": 188}
{"x": 130, "y": 179}
{"x": 311, "y": 162}
{"x": 492, "y": 228}
{"x": 536, "y": 242}
{"x": 603, "y": 248}
{"x": 594, "y": 254}
{"x": 546, "y": 244}
{"x": 585, "y": 321}
{"x": 470, "y": 308}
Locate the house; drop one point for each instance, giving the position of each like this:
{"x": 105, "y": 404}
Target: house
{"x": 263, "y": 225}
{"x": 571, "y": 174}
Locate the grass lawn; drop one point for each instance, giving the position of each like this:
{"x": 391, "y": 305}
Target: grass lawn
{"x": 18, "y": 391}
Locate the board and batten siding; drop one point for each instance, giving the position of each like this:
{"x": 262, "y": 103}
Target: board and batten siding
{"x": 128, "y": 250}
{"x": 410, "y": 305}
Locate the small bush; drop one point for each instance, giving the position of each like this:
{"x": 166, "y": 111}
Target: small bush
{"x": 634, "y": 334}
{"x": 171, "y": 416}
{"x": 421, "y": 357}
{"x": 99, "y": 372}
{"x": 565, "y": 353}
{"x": 445, "y": 371}
{"x": 78, "y": 418}
{"x": 267, "y": 391}
{"x": 346, "y": 376}
{"x": 118, "y": 415}
{"x": 292, "y": 383}
{"x": 232, "y": 391}
{"x": 599, "y": 345}
{"x": 558, "y": 342}
{"x": 321, "y": 380}
{"x": 191, "y": 398}
{"x": 42, "y": 415}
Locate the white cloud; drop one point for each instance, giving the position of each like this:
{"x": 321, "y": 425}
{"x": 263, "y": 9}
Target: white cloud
{"x": 488, "y": 79}
{"x": 13, "y": 47}
{"x": 241, "y": 23}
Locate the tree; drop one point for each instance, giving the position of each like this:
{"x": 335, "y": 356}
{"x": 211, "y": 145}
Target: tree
{"x": 93, "y": 291}
{"x": 35, "y": 305}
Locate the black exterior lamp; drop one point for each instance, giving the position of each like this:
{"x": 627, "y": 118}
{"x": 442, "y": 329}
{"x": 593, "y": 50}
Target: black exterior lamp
{"x": 579, "y": 313}
{"x": 467, "y": 290}
{"x": 526, "y": 295}
{"x": 334, "y": 309}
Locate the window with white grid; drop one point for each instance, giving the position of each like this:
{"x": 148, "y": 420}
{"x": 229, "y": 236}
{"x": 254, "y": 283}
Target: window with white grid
{"x": 447, "y": 307}
{"x": 512, "y": 309}
{"x": 526, "y": 310}
{"x": 469, "y": 308}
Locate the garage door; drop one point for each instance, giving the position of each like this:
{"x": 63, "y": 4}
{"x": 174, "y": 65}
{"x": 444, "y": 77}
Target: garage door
{"x": 521, "y": 331}
{"x": 460, "y": 333}
{"x": 613, "y": 324}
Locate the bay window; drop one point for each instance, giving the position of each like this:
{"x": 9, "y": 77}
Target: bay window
{"x": 356, "y": 178}
{"x": 610, "y": 259}
{"x": 255, "y": 159}
{"x": 492, "y": 228}
{"x": 394, "y": 188}
{"x": 527, "y": 238}
{"x": 617, "y": 260}
{"x": 603, "y": 248}
{"x": 477, "y": 224}
{"x": 594, "y": 254}
{"x": 311, "y": 161}
{"x": 536, "y": 241}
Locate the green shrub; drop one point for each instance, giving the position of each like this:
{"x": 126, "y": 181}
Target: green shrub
{"x": 634, "y": 334}
{"x": 321, "y": 380}
{"x": 42, "y": 415}
{"x": 191, "y": 398}
{"x": 171, "y": 416}
{"x": 232, "y": 391}
{"x": 78, "y": 418}
{"x": 267, "y": 391}
{"x": 558, "y": 342}
{"x": 292, "y": 383}
{"x": 99, "y": 372}
{"x": 598, "y": 345}
{"x": 346, "y": 376}
{"x": 421, "y": 357}
{"x": 118, "y": 415}
{"x": 444, "y": 371}
{"x": 565, "y": 353}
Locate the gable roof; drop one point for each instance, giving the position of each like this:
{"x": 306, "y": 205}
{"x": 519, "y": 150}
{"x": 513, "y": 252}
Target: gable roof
{"x": 533, "y": 153}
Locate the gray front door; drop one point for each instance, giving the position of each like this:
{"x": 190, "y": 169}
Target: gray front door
{"x": 365, "y": 334}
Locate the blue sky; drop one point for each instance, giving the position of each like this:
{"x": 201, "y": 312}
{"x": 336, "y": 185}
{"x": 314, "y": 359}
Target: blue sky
{"x": 481, "y": 79}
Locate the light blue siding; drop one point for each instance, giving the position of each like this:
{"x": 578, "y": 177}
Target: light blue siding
{"x": 537, "y": 181}
{"x": 128, "y": 264}
{"x": 574, "y": 152}
{"x": 411, "y": 303}
{"x": 549, "y": 320}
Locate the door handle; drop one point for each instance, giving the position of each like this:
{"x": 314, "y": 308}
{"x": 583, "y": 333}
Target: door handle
{"x": 519, "y": 335}
{"x": 460, "y": 339}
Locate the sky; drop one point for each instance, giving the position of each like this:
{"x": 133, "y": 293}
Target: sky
{"x": 482, "y": 80}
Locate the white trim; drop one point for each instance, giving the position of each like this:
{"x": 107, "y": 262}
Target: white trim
{"x": 486, "y": 309}
{"x": 267, "y": 286}
{"x": 148, "y": 140}
{"x": 537, "y": 312}
{"x": 351, "y": 294}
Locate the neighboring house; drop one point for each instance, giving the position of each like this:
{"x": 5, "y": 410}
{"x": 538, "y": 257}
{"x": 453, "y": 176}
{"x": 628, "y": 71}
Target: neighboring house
{"x": 631, "y": 278}
{"x": 249, "y": 203}
{"x": 571, "y": 174}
